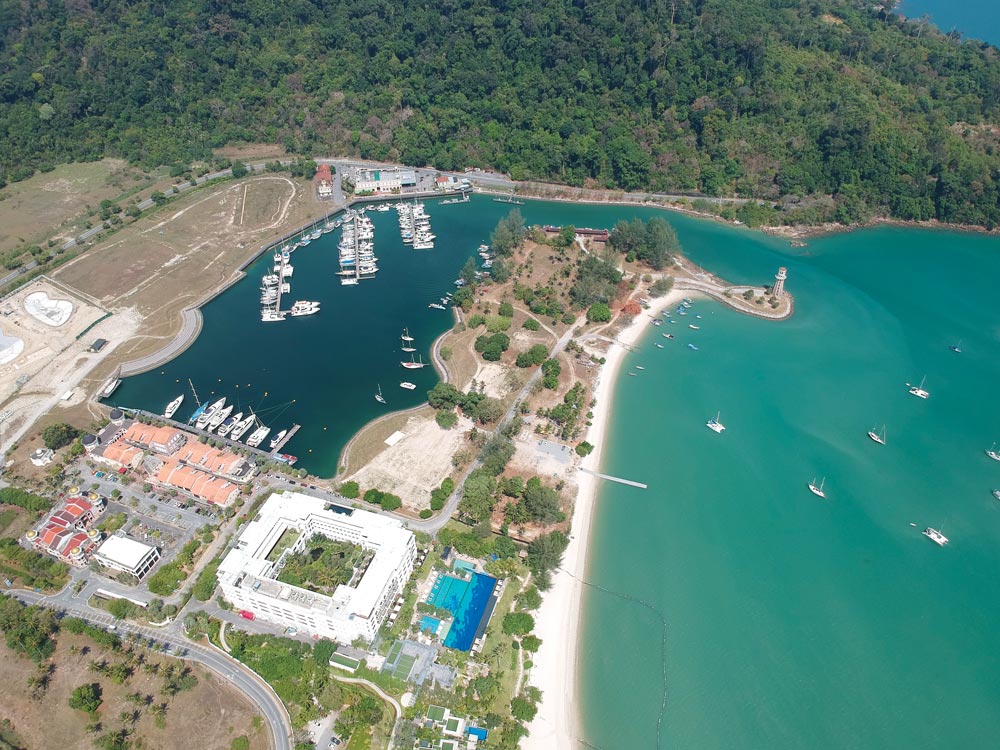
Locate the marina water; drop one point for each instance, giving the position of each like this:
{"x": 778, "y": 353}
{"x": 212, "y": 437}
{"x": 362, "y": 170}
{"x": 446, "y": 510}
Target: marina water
{"x": 792, "y": 621}
{"x": 974, "y": 19}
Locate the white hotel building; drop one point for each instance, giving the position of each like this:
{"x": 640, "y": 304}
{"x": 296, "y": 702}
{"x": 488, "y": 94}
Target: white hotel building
{"x": 249, "y": 581}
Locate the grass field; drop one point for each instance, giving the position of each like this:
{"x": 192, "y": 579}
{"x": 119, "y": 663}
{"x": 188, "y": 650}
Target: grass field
{"x": 217, "y": 711}
{"x": 57, "y": 202}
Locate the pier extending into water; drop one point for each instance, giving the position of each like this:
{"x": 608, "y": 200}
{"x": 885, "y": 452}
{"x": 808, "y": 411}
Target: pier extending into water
{"x": 610, "y": 478}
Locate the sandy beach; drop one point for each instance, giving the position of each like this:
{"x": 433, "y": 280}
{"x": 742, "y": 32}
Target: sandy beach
{"x": 556, "y": 726}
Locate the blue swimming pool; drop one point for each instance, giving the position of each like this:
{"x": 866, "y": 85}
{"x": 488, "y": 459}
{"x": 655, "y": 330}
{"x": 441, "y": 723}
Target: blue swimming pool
{"x": 467, "y": 601}
{"x": 430, "y": 624}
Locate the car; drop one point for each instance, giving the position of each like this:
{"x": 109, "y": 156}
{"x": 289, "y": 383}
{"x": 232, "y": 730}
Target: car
{"x": 334, "y": 741}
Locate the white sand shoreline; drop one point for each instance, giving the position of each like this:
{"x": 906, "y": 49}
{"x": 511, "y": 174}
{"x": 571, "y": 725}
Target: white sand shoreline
{"x": 557, "y": 726}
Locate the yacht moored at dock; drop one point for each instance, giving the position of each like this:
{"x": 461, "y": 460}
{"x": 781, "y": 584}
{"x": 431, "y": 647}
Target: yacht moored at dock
{"x": 173, "y": 406}
{"x": 226, "y": 427}
{"x": 258, "y": 436}
{"x": 302, "y": 307}
{"x": 278, "y": 438}
{"x": 240, "y": 429}
{"x": 219, "y": 417}
{"x": 209, "y": 412}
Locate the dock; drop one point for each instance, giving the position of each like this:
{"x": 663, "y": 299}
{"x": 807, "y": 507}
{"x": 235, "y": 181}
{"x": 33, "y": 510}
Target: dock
{"x": 619, "y": 480}
{"x": 288, "y": 436}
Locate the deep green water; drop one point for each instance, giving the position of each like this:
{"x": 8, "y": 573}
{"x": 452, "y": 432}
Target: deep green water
{"x": 795, "y": 622}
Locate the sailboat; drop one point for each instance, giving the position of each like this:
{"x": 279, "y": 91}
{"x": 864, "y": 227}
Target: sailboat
{"x": 379, "y": 397}
{"x": 407, "y": 341}
{"x": 957, "y": 348}
{"x": 992, "y": 453}
{"x": 918, "y": 390}
{"x": 714, "y": 424}
{"x": 411, "y": 365}
{"x": 879, "y": 437}
{"x": 817, "y": 490}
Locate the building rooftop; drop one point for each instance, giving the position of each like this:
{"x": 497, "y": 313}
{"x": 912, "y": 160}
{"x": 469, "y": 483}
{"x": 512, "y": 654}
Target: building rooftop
{"x": 126, "y": 552}
{"x": 390, "y": 540}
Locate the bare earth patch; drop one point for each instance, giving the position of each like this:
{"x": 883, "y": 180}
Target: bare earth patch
{"x": 416, "y": 464}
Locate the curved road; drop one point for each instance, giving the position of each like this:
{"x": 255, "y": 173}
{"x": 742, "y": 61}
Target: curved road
{"x": 225, "y": 667}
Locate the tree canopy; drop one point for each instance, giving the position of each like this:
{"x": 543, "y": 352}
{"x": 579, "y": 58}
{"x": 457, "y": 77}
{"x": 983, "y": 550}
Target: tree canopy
{"x": 761, "y": 98}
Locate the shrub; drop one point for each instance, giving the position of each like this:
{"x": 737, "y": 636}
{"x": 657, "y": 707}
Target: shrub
{"x": 22, "y": 499}
{"x": 86, "y": 698}
{"x": 584, "y": 448}
{"x": 350, "y": 490}
{"x": 426, "y": 513}
{"x": 477, "y": 320}
{"x": 599, "y": 312}
{"x": 661, "y": 286}
{"x": 506, "y": 310}
{"x": 518, "y": 623}
{"x": 56, "y": 436}
{"x": 446, "y": 419}
{"x": 531, "y": 324}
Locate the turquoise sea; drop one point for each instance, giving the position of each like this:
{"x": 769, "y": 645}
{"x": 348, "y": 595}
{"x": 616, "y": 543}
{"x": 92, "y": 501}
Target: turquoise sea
{"x": 975, "y": 19}
{"x": 791, "y": 621}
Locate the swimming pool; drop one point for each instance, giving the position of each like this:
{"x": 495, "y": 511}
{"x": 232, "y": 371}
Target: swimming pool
{"x": 430, "y": 624}
{"x": 467, "y": 601}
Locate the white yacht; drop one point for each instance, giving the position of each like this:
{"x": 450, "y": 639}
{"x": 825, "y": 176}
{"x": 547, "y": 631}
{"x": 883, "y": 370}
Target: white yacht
{"x": 302, "y": 307}
{"x": 219, "y": 417}
{"x": 278, "y": 438}
{"x": 411, "y": 365}
{"x": 817, "y": 489}
{"x": 408, "y": 386}
{"x": 935, "y": 536}
{"x": 992, "y": 453}
{"x": 209, "y": 413}
{"x": 173, "y": 406}
{"x": 269, "y": 316}
{"x": 918, "y": 390}
{"x": 226, "y": 427}
{"x": 241, "y": 427}
{"x": 878, "y": 437}
{"x": 258, "y": 436}
{"x": 379, "y": 397}
{"x": 714, "y": 424}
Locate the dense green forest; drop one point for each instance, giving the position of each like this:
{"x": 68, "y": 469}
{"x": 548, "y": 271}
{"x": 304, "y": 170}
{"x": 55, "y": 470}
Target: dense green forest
{"x": 777, "y": 99}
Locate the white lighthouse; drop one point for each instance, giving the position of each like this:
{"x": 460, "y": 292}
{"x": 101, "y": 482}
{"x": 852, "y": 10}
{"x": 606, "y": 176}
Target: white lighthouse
{"x": 779, "y": 282}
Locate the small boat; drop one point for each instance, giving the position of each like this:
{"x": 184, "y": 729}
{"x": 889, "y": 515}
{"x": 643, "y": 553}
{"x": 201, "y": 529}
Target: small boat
{"x": 229, "y": 424}
{"x": 379, "y": 397}
{"x": 303, "y": 307}
{"x": 197, "y": 413}
{"x": 878, "y": 437}
{"x": 110, "y": 386}
{"x": 278, "y": 438}
{"x": 258, "y": 436}
{"x": 668, "y": 335}
{"x": 270, "y": 316}
{"x": 714, "y": 424}
{"x": 639, "y": 367}
{"x": 408, "y": 386}
{"x": 698, "y": 316}
{"x": 935, "y": 536}
{"x": 957, "y": 348}
{"x": 631, "y": 374}
{"x": 208, "y": 413}
{"x": 817, "y": 490}
{"x": 406, "y": 335}
{"x": 659, "y": 346}
{"x": 692, "y": 347}
{"x": 436, "y": 306}
{"x": 693, "y": 327}
{"x": 918, "y": 390}
{"x": 285, "y": 458}
{"x": 996, "y": 494}
{"x": 173, "y": 406}
{"x": 992, "y": 453}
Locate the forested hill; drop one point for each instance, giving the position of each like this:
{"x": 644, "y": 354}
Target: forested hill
{"x": 765, "y": 98}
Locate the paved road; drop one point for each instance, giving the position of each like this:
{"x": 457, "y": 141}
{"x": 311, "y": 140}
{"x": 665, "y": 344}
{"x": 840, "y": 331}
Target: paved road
{"x": 227, "y": 669}
{"x": 190, "y": 327}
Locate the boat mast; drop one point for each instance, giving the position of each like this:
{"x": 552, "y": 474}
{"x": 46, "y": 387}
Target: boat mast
{"x": 194, "y": 392}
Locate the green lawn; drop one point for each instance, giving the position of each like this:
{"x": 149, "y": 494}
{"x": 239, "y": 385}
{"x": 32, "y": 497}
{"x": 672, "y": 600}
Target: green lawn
{"x": 288, "y": 537}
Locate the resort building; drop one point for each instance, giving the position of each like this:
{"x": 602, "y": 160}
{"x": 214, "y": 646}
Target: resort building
{"x": 199, "y": 484}
{"x": 249, "y": 574}
{"x": 163, "y": 440}
{"x": 66, "y": 533}
{"x": 323, "y": 180}
{"x": 127, "y": 556}
{"x": 42, "y": 456}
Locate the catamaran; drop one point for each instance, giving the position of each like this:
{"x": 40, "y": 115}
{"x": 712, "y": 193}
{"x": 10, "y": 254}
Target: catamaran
{"x": 226, "y": 427}
{"x": 918, "y": 390}
{"x": 173, "y": 406}
{"x": 714, "y": 424}
{"x": 379, "y": 397}
{"x": 935, "y": 536}
{"x": 303, "y": 307}
{"x": 879, "y": 437}
{"x": 278, "y": 438}
{"x": 208, "y": 413}
{"x": 258, "y": 436}
{"x": 240, "y": 429}
{"x": 992, "y": 453}
{"x": 411, "y": 365}
{"x": 817, "y": 490}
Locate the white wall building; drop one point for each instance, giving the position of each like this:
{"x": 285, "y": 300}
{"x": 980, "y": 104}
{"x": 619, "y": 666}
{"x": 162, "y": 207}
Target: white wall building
{"x": 127, "y": 555}
{"x": 249, "y": 581}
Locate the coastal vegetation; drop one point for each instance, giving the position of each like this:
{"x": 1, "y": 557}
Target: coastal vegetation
{"x": 842, "y": 109}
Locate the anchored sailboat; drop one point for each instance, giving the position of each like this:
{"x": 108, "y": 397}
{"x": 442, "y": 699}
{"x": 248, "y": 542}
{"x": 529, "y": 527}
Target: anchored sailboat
{"x": 817, "y": 490}
{"x": 879, "y": 437}
{"x": 378, "y": 396}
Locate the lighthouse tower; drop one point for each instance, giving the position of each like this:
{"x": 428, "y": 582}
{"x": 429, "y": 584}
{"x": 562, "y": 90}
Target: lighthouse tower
{"x": 779, "y": 282}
